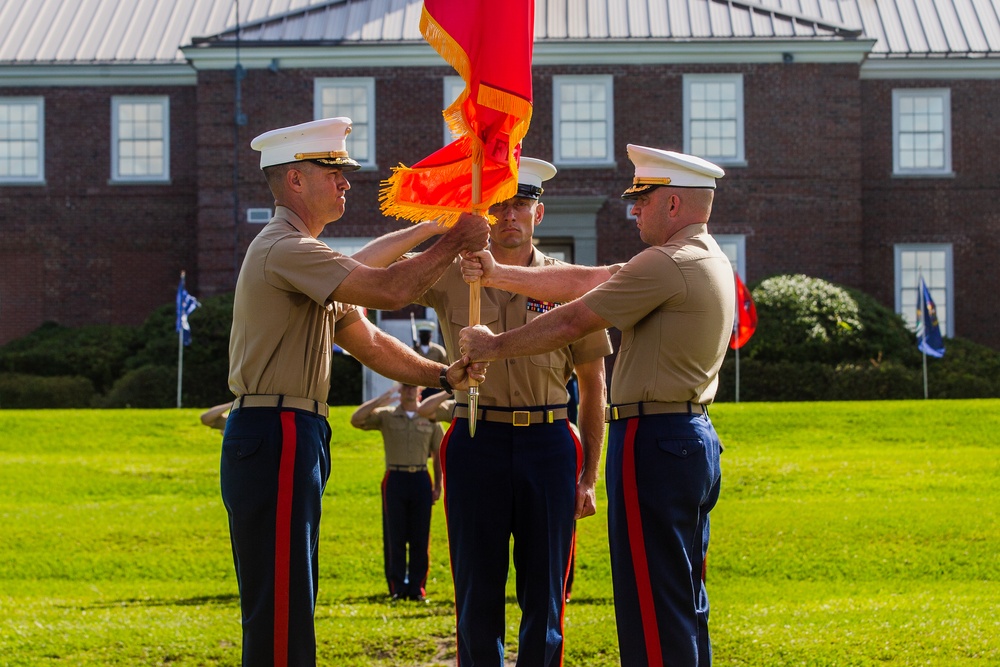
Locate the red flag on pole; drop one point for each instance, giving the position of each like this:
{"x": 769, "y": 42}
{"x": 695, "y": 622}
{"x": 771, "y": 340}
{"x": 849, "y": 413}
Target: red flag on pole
{"x": 746, "y": 316}
{"x": 491, "y": 50}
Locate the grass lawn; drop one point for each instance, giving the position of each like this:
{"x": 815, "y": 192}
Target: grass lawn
{"x": 847, "y": 534}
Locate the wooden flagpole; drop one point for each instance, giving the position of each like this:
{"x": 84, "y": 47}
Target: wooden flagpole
{"x": 475, "y": 293}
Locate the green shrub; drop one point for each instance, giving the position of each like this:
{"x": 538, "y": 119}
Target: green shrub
{"x": 206, "y": 359}
{"x": 97, "y": 352}
{"x": 31, "y": 391}
{"x": 816, "y": 341}
{"x": 345, "y": 380}
{"x": 146, "y": 387}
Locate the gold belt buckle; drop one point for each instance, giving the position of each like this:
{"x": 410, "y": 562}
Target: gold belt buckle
{"x": 521, "y": 418}
{"x": 614, "y": 413}
{"x": 412, "y": 469}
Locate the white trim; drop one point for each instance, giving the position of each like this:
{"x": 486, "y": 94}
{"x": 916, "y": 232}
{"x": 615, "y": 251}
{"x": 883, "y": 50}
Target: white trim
{"x": 38, "y": 102}
{"x": 451, "y": 87}
{"x": 924, "y": 68}
{"x": 898, "y": 94}
{"x": 111, "y": 74}
{"x": 562, "y": 52}
{"x": 368, "y": 84}
{"x": 947, "y": 303}
{"x": 739, "y": 158}
{"x": 163, "y": 101}
{"x": 605, "y": 80}
{"x": 740, "y": 241}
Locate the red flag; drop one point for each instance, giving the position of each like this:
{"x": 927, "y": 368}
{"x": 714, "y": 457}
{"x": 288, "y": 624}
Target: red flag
{"x": 491, "y": 50}
{"x": 746, "y": 315}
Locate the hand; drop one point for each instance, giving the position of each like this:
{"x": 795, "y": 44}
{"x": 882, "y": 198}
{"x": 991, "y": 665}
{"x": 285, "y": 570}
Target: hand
{"x": 478, "y": 266}
{"x": 391, "y": 395}
{"x": 435, "y": 495}
{"x": 586, "y": 500}
{"x": 470, "y": 233}
{"x": 459, "y": 373}
{"x": 477, "y": 343}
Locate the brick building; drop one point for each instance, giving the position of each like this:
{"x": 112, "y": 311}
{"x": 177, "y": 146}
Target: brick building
{"x": 858, "y": 137}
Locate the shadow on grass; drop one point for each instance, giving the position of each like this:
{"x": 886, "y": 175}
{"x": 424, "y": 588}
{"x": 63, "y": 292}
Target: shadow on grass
{"x": 199, "y": 601}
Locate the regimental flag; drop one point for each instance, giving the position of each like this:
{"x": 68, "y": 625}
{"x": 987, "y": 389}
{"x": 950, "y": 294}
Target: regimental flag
{"x": 930, "y": 331}
{"x": 186, "y": 305}
{"x": 489, "y": 44}
{"x": 745, "y": 322}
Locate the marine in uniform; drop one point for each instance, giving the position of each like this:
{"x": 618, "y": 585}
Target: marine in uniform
{"x": 291, "y": 304}
{"x": 408, "y": 492}
{"x": 526, "y": 473}
{"x": 674, "y": 303}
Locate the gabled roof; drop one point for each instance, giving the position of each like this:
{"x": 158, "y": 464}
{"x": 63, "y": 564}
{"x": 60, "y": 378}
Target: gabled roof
{"x": 373, "y": 21}
{"x": 153, "y": 32}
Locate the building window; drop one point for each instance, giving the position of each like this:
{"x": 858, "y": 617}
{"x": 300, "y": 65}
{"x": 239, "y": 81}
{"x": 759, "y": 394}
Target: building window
{"x": 22, "y": 140}
{"x": 453, "y": 87}
{"x": 713, "y": 117}
{"x": 921, "y": 132}
{"x": 140, "y": 139}
{"x": 354, "y": 98}
{"x": 583, "y": 119}
{"x": 734, "y": 245}
{"x": 933, "y": 263}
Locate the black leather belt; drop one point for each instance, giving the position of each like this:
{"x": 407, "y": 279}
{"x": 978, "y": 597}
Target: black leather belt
{"x": 277, "y": 400}
{"x": 629, "y": 410}
{"x": 525, "y": 417}
{"x": 407, "y": 468}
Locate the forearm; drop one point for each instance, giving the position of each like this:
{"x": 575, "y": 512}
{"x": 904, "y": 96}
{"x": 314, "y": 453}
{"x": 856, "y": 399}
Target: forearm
{"x": 561, "y": 282}
{"x": 553, "y": 330}
{"x": 387, "y": 356}
{"x": 592, "y": 402}
{"x": 365, "y": 409}
{"x": 386, "y": 249}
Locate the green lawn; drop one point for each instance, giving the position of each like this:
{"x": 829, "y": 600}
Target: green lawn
{"x": 847, "y": 534}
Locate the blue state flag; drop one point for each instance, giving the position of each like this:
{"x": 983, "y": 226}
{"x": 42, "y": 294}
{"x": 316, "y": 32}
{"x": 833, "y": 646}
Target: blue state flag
{"x": 186, "y": 305}
{"x": 930, "y": 338}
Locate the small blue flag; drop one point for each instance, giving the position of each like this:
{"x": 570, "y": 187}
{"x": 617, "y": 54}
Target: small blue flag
{"x": 930, "y": 338}
{"x": 186, "y": 305}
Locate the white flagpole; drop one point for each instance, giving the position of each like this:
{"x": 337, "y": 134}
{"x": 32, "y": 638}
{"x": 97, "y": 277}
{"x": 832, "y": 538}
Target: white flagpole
{"x": 180, "y": 364}
{"x": 923, "y": 327}
{"x": 737, "y": 375}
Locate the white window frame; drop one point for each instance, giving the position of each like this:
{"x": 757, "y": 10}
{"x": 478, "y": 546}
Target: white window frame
{"x": 898, "y": 96}
{"x": 738, "y": 156}
{"x": 607, "y": 81}
{"x": 38, "y": 177}
{"x": 321, "y": 111}
{"x": 939, "y": 277}
{"x": 452, "y": 87}
{"x": 162, "y": 101}
{"x": 738, "y": 242}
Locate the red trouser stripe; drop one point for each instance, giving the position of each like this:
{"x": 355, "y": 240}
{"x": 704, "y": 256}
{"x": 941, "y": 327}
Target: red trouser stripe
{"x": 637, "y": 545}
{"x": 282, "y": 537}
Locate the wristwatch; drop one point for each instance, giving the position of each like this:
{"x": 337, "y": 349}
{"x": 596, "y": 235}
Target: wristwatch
{"x": 443, "y": 379}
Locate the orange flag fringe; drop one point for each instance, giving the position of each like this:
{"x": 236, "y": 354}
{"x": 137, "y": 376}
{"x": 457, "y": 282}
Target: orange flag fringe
{"x": 489, "y": 44}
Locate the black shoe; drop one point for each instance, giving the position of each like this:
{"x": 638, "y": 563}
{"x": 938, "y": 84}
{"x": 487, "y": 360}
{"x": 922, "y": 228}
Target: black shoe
{"x": 419, "y": 598}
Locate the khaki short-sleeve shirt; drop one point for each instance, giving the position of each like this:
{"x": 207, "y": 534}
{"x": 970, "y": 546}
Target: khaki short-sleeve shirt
{"x": 408, "y": 441}
{"x": 674, "y": 305}
{"x": 284, "y": 317}
{"x": 521, "y": 382}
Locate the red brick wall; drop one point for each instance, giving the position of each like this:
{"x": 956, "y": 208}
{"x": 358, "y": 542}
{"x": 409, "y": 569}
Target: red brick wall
{"x": 80, "y": 251}
{"x": 816, "y": 195}
{"x": 961, "y": 210}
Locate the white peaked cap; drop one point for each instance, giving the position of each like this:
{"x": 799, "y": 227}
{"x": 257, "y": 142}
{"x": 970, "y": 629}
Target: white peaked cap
{"x": 531, "y": 173}
{"x": 655, "y": 167}
{"x": 323, "y": 141}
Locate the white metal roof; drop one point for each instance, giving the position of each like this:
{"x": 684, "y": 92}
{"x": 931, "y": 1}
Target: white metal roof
{"x": 76, "y": 32}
